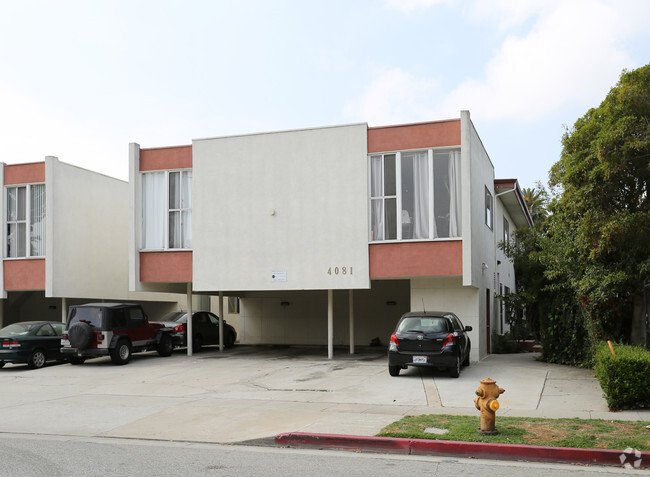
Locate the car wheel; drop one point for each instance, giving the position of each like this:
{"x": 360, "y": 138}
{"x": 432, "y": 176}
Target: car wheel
{"x": 454, "y": 371}
{"x": 36, "y": 360}
{"x": 197, "y": 343}
{"x": 466, "y": 361}
{"x": 76, "y": 360}
{"x": 166, "y": 346}
{"x": 80, "y": 335}
{"x": 121, "y": 354}
{"x": 394, "y": 370}
{"x": 2, "y": 364}
{"x": 229, "y": 341}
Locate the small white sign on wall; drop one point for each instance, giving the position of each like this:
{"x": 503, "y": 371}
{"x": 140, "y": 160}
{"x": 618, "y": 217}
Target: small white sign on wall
{"x": 279, "y": 276}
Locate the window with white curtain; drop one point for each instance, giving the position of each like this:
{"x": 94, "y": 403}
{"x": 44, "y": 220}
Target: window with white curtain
{"x": 415, "y": 195}
{"x": 167, "y": 210}
{"x": 25, "y": 221}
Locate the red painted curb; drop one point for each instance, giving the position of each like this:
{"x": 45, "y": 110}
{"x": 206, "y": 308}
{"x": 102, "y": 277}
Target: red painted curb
{"x": 483, "y": 450}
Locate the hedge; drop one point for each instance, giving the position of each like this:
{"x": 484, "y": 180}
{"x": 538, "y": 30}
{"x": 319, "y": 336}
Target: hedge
{"x": 625, "y": 376}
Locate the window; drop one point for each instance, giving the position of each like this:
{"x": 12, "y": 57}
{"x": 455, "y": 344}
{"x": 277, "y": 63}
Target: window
{"x": 383, "y": 197}
{"x": 26, "y": 221}
{"x": 488, "y": 208}
{"x": 415, "y": 195}
{"x": 167, "y": 210}
{"x": 233, "y": 305}
{"x": 506, "y": 231}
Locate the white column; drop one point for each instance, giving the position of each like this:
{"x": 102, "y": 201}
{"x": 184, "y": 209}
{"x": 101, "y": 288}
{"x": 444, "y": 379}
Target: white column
{"x": 351, "y": 318}
{"x": 64, "y": 310}
{"x": 330, "y": 324}
{"x": 189, "y": 319}
{"x": 220, "y": 321}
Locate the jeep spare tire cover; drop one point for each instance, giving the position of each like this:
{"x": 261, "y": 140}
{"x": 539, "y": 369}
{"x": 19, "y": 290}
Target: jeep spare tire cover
{"x": 80, "y": 335}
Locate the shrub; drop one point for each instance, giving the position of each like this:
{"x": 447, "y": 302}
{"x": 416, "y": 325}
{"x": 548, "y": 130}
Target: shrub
{"x": 564, "y": 339}
{"x": 625, "y": 376}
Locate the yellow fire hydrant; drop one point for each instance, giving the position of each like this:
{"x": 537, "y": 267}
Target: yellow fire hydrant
{"x": 486, "y": 401}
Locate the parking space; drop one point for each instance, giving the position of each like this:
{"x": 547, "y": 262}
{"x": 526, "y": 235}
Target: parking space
{"x": 252, "y": 392}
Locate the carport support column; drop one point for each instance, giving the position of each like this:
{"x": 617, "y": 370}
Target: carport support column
{"x": 351, "y": 313}
{"x": 220, "y": 321}
{"x": 330, "y": 324}
{"x": 189, "y": 333}
{"x": 64, "y": 310}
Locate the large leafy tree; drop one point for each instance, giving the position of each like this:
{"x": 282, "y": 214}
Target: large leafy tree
{"x": 597, "y": 244}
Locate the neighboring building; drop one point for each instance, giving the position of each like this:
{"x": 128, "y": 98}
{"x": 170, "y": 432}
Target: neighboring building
{"x": 328, "y": 235}
{"x": 65, "y": 242}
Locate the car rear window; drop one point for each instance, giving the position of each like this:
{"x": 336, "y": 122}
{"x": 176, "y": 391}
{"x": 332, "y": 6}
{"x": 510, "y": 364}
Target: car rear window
{"x": 92, "y": 315}
{"x": 423, "y": 324}
{"x": 16, "y": 329}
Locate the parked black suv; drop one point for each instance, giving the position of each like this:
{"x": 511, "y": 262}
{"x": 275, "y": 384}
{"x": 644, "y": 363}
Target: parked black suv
{"x": 115, "y": 329}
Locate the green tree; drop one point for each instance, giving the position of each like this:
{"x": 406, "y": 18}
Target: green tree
{"x": 597, "y": 243}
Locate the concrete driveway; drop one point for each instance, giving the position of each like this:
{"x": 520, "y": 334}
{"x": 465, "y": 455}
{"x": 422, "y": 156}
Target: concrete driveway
{"x": 252, "y": 392}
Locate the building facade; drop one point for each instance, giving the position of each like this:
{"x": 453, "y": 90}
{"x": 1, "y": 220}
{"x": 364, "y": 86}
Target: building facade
{"x": 327, "y": 235}
{"x": 65, "y": 242}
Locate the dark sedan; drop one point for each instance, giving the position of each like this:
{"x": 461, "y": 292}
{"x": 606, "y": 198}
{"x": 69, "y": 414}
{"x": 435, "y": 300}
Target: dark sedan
{"x": 31, "y": 342}
{"x": 429, "y": 339}
{"x": 205, "y": 329}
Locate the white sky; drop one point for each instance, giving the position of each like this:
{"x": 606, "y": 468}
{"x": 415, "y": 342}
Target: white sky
{"x": 81, "y": 79}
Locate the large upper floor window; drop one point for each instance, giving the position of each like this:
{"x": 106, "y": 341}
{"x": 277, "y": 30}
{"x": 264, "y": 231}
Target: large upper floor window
{"x": 415, "y": 195}
{"x": 167, "y": 210}
{"x": 25, "y": 221}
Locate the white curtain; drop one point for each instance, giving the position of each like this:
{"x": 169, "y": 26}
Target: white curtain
{"x": 376, "y": 204}
{"x": 153, "y": 210}
{"x": 455, "y": 215}
{"x": 37, "y": 221}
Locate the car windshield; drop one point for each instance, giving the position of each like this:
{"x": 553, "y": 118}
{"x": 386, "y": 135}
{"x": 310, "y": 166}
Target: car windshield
{"x": 178, "y": 316}
{"x": 16, "y": 329}
{"x": 423, "y": 324}
{"x": 88, "y": 314}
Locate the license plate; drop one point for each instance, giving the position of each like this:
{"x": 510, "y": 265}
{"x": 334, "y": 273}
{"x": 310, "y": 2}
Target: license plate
{"x": 419, "y": 359}
{"x": 65, "y": 342}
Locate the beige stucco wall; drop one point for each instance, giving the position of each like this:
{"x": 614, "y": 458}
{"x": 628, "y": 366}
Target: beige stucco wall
{"x": 292, "y": 202}
{"x": 86, "y": 233}
{"x": 449, "y": 294}
{"x": 303, "y": 317}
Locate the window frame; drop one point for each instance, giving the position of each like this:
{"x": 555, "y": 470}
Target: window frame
{"x": 506, "y": 231}
{"x": 168, "y": 210}
{"x": 432, "y": 233}
{"x": 27, "y": 220}
{"x": 489, "y": 209}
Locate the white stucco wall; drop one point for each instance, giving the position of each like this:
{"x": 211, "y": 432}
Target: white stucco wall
{"x": 293, "y": 203}
{"x": 86, "y": 233}
{"x": 449, "y": 294}
{"x": 303, "y": 317}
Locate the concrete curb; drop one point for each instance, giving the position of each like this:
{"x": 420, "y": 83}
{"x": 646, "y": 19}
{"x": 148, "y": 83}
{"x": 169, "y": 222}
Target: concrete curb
{"x": 481, "y": 450}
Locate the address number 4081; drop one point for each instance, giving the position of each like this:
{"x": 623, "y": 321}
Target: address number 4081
{"x": 339, "y": 271}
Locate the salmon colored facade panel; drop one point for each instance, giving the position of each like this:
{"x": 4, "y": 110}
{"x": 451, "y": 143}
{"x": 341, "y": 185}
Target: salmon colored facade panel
{"x": 31, "y": 173}
{"x": 414, "y": 136}
{"x": 166, "y": 266}
{"x": 416, "y": 259}
{"x": 164, "y": 158}
{"x": 28, "y": 274}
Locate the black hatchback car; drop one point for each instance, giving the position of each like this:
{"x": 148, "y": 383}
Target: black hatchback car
{"x": 429, "y": 338}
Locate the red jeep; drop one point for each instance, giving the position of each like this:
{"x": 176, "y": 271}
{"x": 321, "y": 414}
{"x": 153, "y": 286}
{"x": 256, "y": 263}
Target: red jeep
{"x": 115, "y": 329}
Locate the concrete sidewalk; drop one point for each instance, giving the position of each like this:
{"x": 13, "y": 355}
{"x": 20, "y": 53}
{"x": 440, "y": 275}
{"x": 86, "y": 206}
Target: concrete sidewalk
{"x": 252, "y": 392}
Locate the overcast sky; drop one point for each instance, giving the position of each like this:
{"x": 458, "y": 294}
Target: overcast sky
{"x": 80, "y": 80}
